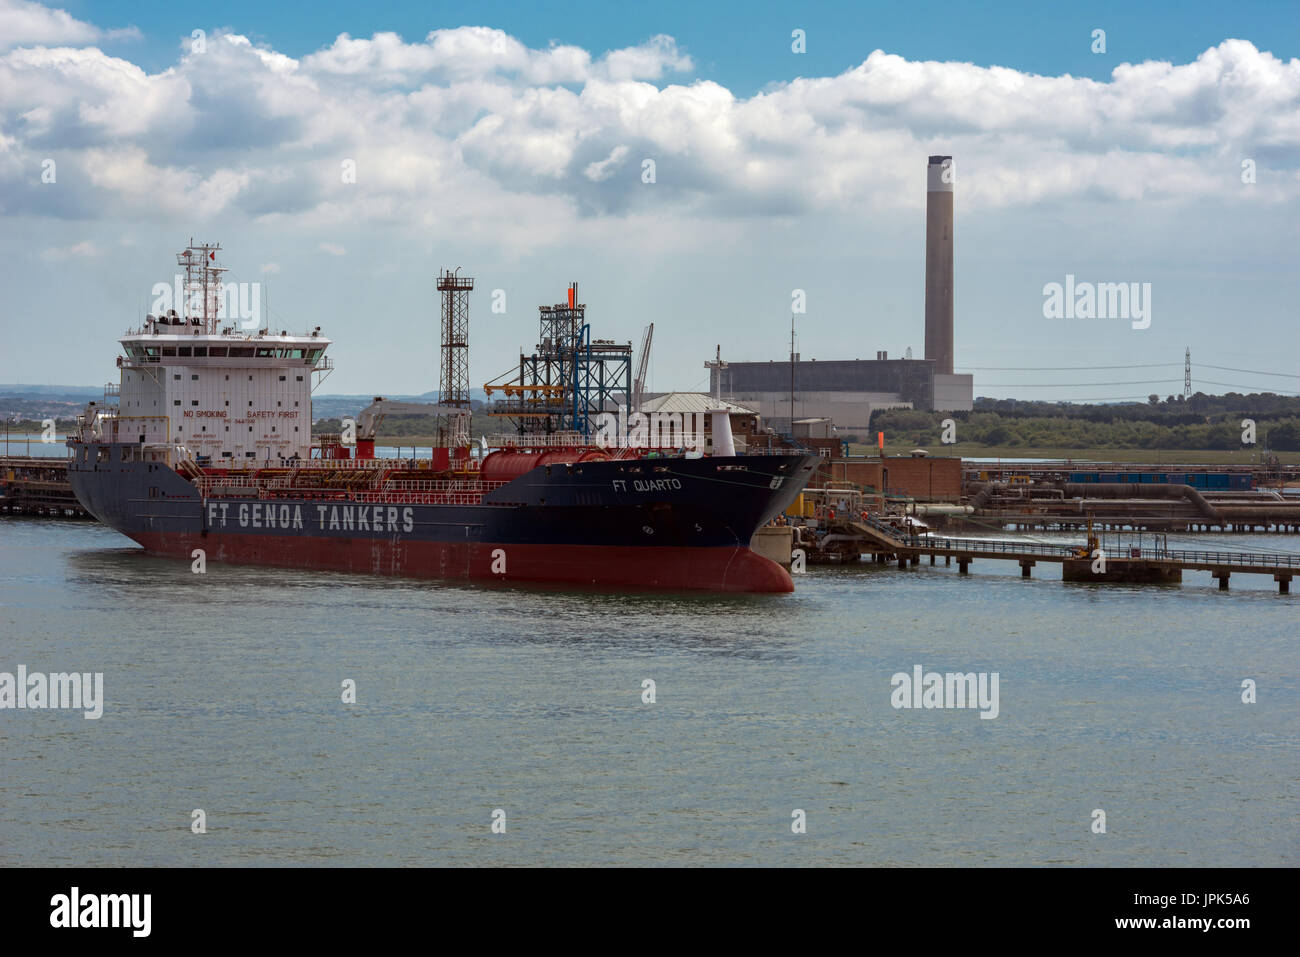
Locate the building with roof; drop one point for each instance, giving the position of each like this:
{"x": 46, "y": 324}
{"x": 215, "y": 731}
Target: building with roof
{"x": 745, "y": 422}
{"x": 848, "y": 390}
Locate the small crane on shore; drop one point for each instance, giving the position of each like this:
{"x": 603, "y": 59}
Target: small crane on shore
{"x": 638, "y": 384}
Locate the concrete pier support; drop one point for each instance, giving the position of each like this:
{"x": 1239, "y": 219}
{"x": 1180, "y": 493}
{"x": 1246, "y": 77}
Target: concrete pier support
{"x": 902, "y": 561}
{"x": 947, "y": 559}
{"x": 932, "y": 558}
{"x": 775, "y": 542}
{"x": 1025, "y": 566}
{"x": 1283, "y": 583}
{"x": 963, "y": 565}
{"x": 1222, "y": 576}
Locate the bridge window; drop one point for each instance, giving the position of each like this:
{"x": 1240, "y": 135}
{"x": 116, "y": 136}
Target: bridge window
{"x": 184, "y": 351}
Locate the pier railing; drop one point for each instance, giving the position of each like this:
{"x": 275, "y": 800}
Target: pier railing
{"x": 1175, "y": 556}
{"x": 1268, "y": 559}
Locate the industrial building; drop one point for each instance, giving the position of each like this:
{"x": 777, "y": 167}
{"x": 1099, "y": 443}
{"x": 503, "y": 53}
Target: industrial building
{"x": 848, "y": 390}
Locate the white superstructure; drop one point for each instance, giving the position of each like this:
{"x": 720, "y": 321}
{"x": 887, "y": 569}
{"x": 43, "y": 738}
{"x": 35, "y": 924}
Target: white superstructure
{"x": 205, "y": 383}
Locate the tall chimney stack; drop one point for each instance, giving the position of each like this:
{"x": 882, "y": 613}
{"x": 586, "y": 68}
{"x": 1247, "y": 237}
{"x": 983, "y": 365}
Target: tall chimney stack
{"x": 938, "y": 264}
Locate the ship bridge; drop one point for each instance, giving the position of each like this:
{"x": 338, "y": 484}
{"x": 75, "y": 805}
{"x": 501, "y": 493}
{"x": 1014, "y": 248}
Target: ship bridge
{"x": 202, "y": 381}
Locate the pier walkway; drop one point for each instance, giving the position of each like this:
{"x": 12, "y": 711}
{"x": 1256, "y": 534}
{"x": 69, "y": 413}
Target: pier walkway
{"x": 1080, "y": 563}
{"x": 37, "y": 485}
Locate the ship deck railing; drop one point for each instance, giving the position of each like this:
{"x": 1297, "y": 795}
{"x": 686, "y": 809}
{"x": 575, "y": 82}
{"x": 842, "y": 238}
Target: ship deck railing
{"x": 400, "y": 497}
{"x": 555, "y": 440}
{"x": 415, "y": 492}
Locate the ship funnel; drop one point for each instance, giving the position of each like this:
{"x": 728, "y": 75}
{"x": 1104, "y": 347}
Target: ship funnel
{"x": 723, "y": 443}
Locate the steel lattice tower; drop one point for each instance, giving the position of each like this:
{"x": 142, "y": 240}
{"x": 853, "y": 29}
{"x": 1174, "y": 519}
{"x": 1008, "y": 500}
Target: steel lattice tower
{"x": 453, "y": 377}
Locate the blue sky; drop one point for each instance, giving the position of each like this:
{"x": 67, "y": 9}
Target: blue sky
{"x": 745, "y": 46}
{"x": 511, "y": 142}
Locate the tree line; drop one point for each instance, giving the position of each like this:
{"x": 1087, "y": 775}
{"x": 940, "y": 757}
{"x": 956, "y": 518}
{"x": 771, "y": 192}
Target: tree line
{"x": 1201, "y": 422}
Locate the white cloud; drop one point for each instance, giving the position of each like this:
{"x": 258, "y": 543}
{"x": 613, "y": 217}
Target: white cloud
{"x": 334, "y": 249}
{"x": 129, "y": 177}
{"x": 23, "y": 23}
{"x": 603, "y": 169}
{"x": 650, "y": 61}
{"x": 80, "y": 94}
{"x": 471, "y": 126}
{"x": 269, "y": 269}
{"x": 81, "y": 250}
{"x": 467, "y": 53}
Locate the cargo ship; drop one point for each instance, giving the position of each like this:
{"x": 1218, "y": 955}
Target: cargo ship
{"x": 208, "y": 447}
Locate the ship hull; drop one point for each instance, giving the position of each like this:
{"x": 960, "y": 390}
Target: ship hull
{"x": 717, "y": 568}
{"x": 677, "y": 524}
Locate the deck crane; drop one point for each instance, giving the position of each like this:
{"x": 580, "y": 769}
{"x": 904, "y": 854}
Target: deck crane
{"x": 369, "y": 419}
{"x": 638, "y": 384}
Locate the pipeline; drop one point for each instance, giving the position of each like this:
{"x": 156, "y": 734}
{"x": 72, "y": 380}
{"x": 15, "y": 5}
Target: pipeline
{"x": 942, "y": 509}
{"x": 981, "y": 497}
{"x": 1136, "y": 490}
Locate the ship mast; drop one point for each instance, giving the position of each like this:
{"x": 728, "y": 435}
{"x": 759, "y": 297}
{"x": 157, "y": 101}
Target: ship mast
{"x": 202, "y": 284}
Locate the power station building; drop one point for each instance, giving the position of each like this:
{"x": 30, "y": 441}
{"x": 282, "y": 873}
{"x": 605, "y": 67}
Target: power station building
{"x": 848, "y": 390}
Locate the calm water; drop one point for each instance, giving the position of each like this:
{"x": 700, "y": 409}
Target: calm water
{"x": 223, "y": 693}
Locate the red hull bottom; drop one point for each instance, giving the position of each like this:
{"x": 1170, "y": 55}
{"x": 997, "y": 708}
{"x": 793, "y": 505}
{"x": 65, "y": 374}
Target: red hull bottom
{"x": 724, "y": 569}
